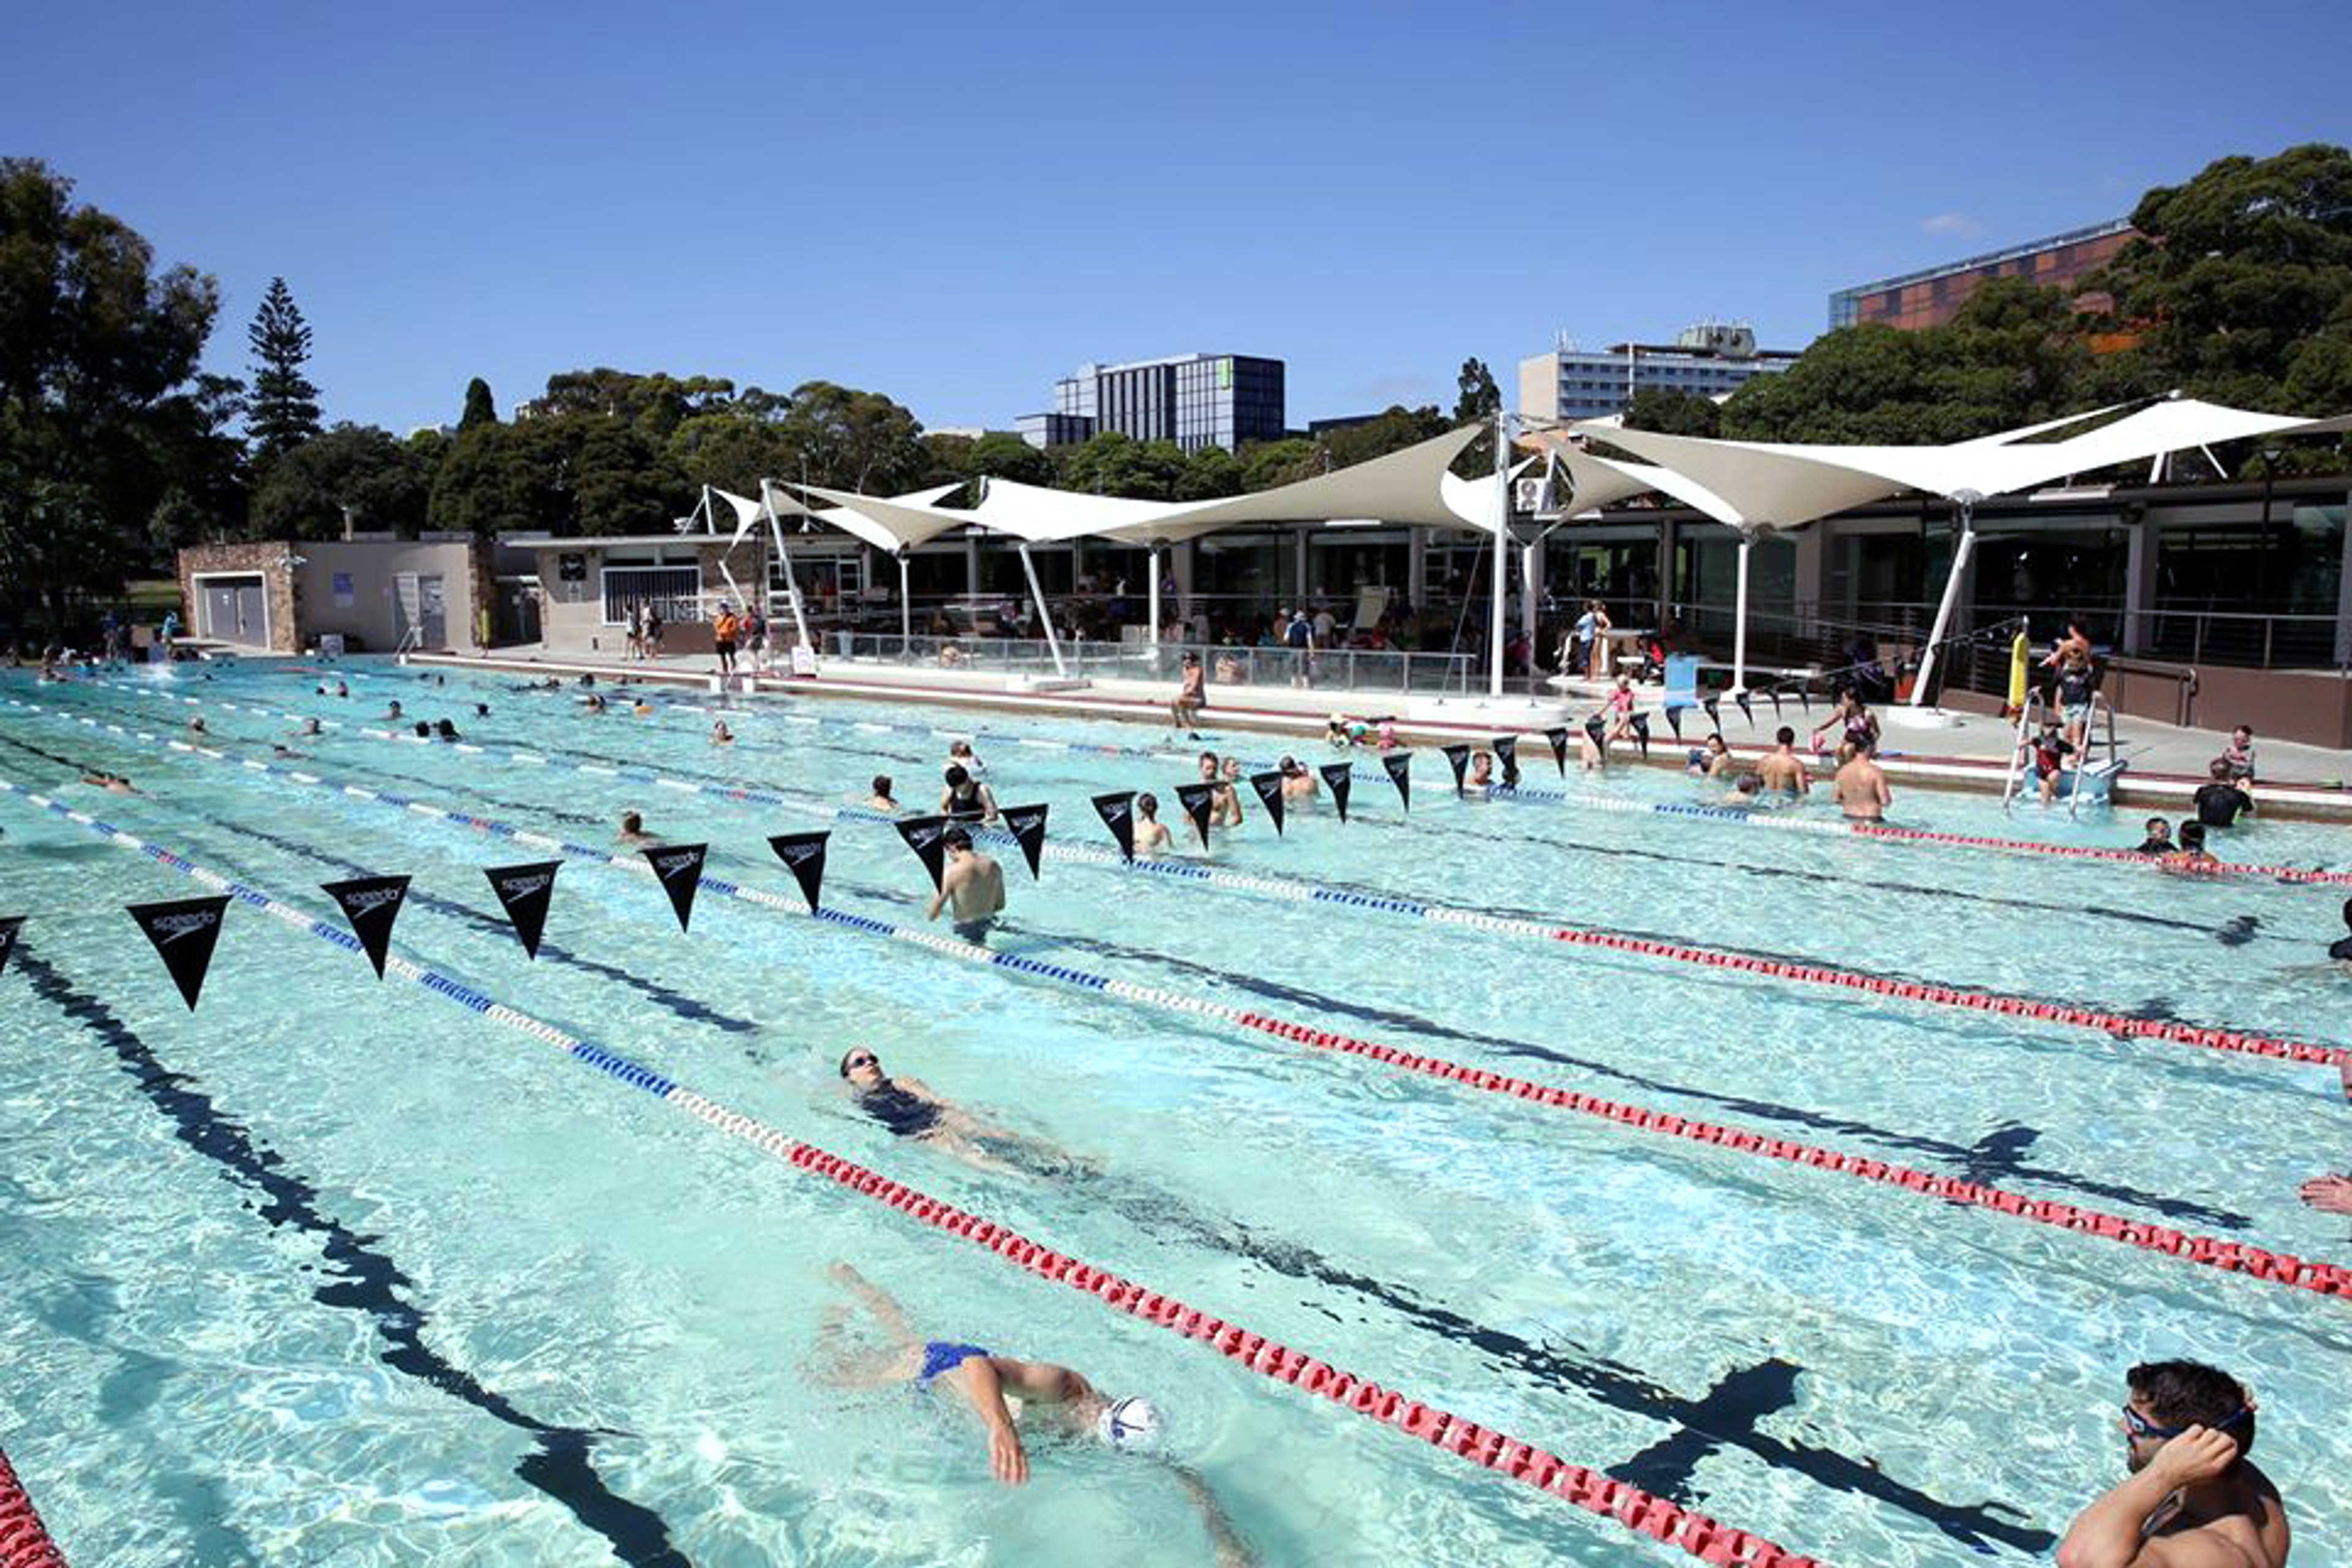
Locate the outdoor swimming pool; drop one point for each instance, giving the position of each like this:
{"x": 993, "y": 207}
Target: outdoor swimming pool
{"x": 336, "y": 1270}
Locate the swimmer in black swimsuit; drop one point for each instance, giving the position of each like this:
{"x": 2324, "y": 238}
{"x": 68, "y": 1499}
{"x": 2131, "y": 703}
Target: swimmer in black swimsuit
{"x": 909, "y": 1109}
{"x": 965, "y": 798}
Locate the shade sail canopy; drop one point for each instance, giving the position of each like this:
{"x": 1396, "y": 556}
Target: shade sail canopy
{"x": 1786, "y": 484}
{"x": 895, "y": 522}
{"x": 1595, "y": 482}
{"x": 1403, "y": 486}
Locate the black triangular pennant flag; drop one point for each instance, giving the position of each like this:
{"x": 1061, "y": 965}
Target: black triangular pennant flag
{"x": 1675, "y": 719}
{"x": 1641, "y": 733}
{"x": 1399, "y": 765}
{"x": 804, "y": 854}
{"x": 185, "y": 931}
{"x": 371, "y": 904}
{"x": 1269, "y": 795}
{"x": 1336, "y": 777}
{"x": 922, "y": 834}
{"x": 1028, "y": 825}
{"x": 1746, "y": 707}
{"x": 679, "y": 866}
{"x": 9, "y": 924}
{"x": 525, "y": 891}
{"x": 1805, "y": 697}
{"x": 1559, "y": 739}
{"x": 1775, "y": 695}
{"x": 1598, "y": 731}
{"x": 1713, "y": 715}
{"x": 1197, "y": 799}
{"x": 1506, "y": 752}
{"x": 1118, "y": 811}
{"x": 1458, "y": 758}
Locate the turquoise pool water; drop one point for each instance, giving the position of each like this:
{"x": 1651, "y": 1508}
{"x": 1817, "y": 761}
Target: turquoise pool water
{"x": 335, "y": 1271}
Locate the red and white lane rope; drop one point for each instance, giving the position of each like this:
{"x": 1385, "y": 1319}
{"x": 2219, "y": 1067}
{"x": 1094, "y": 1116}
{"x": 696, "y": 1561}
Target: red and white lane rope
{"x": 1702, "y": 1537}
{"x": 2260, "y": 1263}
{"x": 24, "y": 1540}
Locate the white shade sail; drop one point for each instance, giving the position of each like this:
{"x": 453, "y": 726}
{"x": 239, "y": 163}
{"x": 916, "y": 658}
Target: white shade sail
{"x": 872, "y": 520}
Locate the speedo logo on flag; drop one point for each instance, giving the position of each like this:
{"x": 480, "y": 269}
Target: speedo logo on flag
{"x": 165, "y": 929}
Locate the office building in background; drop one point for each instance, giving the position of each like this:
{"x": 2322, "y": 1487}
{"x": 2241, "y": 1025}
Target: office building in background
{"x": 1710, "y": 359}
{"x": 1193, "y": 400}
{"x": 1932, "y": 297}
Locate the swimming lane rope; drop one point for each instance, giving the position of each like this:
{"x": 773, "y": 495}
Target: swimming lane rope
{"x": 2275, "y": 1268}
{"x": 1695, "y": 1533}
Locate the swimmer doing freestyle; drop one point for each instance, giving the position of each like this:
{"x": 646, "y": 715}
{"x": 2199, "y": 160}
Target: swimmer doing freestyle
{"x": 1012, "y": 1397}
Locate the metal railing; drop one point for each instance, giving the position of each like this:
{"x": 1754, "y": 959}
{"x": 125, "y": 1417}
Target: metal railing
{"x": 1337, "y": 669}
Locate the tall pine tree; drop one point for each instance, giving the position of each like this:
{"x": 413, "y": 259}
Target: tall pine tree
{"x": 284, "y": 409}
{"x": 479, "y": 409}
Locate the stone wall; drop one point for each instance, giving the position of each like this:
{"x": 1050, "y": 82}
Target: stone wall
{"x": 268, "y": 557}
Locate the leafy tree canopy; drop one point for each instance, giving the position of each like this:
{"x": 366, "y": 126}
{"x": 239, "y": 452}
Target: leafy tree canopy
{"x": 384, "y": 482}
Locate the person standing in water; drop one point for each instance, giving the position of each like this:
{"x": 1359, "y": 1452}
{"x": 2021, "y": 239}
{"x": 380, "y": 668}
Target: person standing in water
{"x": 973, "y": 883}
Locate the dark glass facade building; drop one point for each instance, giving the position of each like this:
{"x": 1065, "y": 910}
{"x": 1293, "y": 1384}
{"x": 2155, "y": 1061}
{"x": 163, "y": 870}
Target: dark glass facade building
{"x": 1193, "y": 400}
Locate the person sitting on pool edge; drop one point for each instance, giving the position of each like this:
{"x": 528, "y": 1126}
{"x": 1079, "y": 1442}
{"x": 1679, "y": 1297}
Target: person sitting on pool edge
{"x": 1008, "y": 1395}
{"x": 2193, "y": 1500}
{"x": 2159, "y": 838}
{"x": 973, "y": 883}
{"x": 1192, "y": 696}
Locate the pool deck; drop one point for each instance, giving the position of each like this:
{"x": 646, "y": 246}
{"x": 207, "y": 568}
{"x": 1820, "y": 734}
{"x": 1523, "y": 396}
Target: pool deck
{"x": 1950, "y": 751}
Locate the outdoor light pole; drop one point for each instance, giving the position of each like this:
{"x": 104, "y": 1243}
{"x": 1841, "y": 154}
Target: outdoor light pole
{"x": 1501, "y": 524}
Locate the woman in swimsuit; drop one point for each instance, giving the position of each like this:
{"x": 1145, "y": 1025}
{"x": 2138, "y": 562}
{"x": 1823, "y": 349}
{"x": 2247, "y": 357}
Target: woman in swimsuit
{"x": 908, "y": 1108}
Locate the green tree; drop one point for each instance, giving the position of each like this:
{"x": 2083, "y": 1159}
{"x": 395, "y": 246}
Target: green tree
{"x": 379, "y": 478}
{"x": 1478, "y": 400}
{"x": 1001, "y": 455}
{"x": 655, "y": 404}
{"x": 1210, "y": 473}
{"x": 854, "y": 440}
{"x": 1116, "y": 464}
{"x": 479, "y": 409}
{"x": 102, "y": 412}
{"x": 1266, "y": 463}
{"x": 733, "y": 449}
{"x": 617, "y": 478}
{"x": 496, "y": 477}
{"x": 284, "y": 410}
{"x": 1394, "y": 429}
{"x": 1670, "y": 411}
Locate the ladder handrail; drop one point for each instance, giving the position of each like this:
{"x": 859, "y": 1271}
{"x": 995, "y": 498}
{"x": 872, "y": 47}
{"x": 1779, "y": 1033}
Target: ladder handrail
{"x": 2024, "y": 746}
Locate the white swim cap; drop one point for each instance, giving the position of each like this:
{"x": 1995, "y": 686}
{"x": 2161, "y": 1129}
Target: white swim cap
{"x": 1129, "y": 1422}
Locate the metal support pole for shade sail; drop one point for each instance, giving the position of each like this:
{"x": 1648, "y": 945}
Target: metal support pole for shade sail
{"x": 905, "y": 604}
{"x": 1501, "y": 523}
{"x": 1036, "y": 591}
{"x": 1965, "y": 517}
{"x": 784, "y": 559}
{"x": 1153, "y": 617}
{"x": 1739, "y": 616}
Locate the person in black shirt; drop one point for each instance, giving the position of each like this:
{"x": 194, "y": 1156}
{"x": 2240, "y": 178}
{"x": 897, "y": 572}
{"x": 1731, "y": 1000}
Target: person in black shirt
{"x": 2221, "y": 803}
{"x": 2159, "y": 838}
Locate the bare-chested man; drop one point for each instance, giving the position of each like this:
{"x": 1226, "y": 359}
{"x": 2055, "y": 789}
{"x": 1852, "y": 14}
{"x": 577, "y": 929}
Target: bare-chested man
{"x": 1782, "y": 770}
{"x": 1192, "y": 696}
{"x": 2193, "y": 1500}
{"x": 974, "y": 884}
{"x": 1861, "y": 791}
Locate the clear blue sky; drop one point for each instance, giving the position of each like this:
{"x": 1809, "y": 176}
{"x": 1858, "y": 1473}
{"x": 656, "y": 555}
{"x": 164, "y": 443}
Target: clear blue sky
{"x": 956, "y": 203}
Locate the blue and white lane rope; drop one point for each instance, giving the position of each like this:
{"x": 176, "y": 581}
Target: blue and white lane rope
{"x": 2099, "y": 1020}
{"x": 1695, "y": 1533}
{"x": 2324, "y": 1278}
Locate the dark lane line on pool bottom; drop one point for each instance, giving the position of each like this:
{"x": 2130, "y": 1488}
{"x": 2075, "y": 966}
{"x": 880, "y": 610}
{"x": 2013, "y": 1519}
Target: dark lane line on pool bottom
{"x": 368, "y": 1280}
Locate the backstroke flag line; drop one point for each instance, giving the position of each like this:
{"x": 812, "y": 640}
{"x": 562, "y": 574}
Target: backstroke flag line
{"x": 371, "y": 904}
{"x": 679, "y": 866}
{"x": 1196, "y": 799}
{"x": 1028, "y": 825}
{"x": 1559, "y": 739}
{"x": 804, "y": 854}
{"x": 524, "y": 892}
{"x": 9, "y": 926}
{"x": 1641, "y": 733}
{"x": 1338, "y": 776}
{"x": 922, "y": 834}
{"x": 1118, "y": 811}
{"x": 1269, "y": 795}
{"x": 1399, "y": 765}
{"x": 1458, "y": 758}
{"x": 185, "y": 931}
